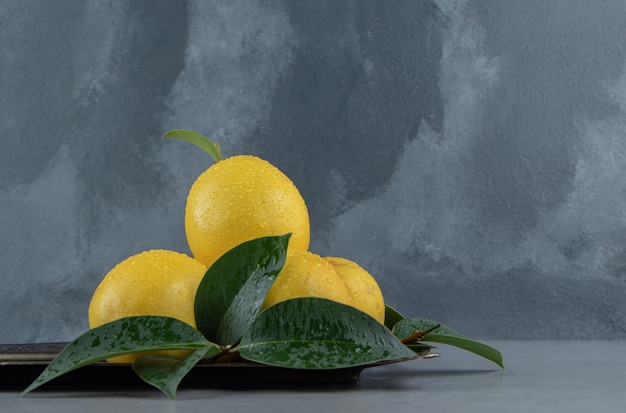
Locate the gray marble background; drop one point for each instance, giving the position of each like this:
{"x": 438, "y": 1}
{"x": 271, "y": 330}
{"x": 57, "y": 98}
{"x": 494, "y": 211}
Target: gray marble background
{"x": 469, "y": 153}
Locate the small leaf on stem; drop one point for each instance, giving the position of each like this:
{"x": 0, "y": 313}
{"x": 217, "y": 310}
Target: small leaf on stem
{"x": 445, "y": 335}
{"x": 212, "y": 149}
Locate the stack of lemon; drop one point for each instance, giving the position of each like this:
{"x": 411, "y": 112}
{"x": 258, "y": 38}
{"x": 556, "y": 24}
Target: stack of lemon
{"x": 235, "y": 200}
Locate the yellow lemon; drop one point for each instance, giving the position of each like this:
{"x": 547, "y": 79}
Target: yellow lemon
{"x": 155, "y": 282}
{"x": 307, "y": 275}
{"x": 365, "y": 291}
{"x": 241, "y": 198}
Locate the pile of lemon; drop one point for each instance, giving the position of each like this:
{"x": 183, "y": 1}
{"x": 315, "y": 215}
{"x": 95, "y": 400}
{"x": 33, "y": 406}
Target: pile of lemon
{"x": 235, "y": 200}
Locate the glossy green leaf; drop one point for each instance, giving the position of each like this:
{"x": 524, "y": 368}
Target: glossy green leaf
{"x": 446, "y": 335}
{"x": 166, "y": 372}
{"x": 392, "y": 317}
{"x": 410, "y": 325}
{"x": 124, "y": 336}
{"x": 212, "y": 149}
{"x": 234, "y": 287}
{"x": 315, "y": 333}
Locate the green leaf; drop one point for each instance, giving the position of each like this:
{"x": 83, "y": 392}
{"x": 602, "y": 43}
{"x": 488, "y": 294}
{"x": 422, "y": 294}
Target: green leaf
{"x": 234, "y": 287}
{"x": 410, "y": 325}
{"x": 446, "y": 335}
{"x": 213, "y": 149}
{"x": 392, "y": 317}
{"x": 166, "y": 372}
{"x": 124, "y": 336}
{"x": 315, "y": 333}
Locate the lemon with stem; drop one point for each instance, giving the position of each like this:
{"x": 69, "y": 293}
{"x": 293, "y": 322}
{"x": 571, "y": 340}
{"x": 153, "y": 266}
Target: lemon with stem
{"x": 237, "y": 199}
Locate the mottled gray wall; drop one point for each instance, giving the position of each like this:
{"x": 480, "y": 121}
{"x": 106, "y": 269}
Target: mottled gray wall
{"x": 469, "y": 153}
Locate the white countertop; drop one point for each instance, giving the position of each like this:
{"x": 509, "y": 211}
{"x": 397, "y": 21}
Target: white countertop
{"x": 554, "y": 376}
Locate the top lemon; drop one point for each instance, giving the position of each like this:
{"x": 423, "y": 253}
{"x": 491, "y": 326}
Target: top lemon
{"x": 241, "y": 198}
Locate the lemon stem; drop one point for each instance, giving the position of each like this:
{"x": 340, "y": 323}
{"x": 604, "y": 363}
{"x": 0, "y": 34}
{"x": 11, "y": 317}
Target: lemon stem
{"x": 418, "y": 335}
{"x": 229, "y": 354}
{"x": 202, "y": 142}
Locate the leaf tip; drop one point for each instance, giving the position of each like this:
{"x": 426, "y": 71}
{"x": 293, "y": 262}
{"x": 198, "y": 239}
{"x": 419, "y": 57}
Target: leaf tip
{"x": 195, "y": 138}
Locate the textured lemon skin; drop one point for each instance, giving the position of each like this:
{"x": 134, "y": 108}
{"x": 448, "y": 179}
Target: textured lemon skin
{"x": 154, "y": 282}
{"x": 365, "y": 291}
{"x": 307, "y": 275}
{"x": 241, "y": 198}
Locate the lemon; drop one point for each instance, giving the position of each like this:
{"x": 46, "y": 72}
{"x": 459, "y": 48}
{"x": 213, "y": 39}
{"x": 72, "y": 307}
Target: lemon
{"x": 154, "y": 282}
{"x": 365, "y": 291}
{"x": 241, "y": 198}
{"x": 306, "y": 274}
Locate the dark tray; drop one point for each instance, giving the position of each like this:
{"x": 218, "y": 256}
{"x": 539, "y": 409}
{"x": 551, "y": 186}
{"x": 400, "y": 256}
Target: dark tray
{"x": 21, "y": 364}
